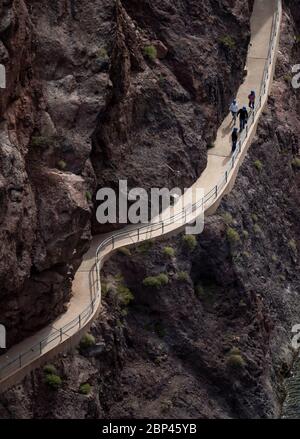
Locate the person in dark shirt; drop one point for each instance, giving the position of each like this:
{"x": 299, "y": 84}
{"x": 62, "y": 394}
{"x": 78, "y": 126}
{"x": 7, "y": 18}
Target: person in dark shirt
{"x": 234, "y": 139}
{"x": 243, "y": 114}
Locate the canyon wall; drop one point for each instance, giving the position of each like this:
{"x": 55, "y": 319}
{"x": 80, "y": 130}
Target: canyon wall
{"x": 215, "y": 341}
{"x": 86, "y": 105}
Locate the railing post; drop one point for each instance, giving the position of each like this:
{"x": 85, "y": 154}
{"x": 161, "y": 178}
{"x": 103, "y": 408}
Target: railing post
{"x": 138, "y": 234}
{"x": 113, "y": 242}
{"x": 79, "y": 320}
{"x": 20, "y": 360}
{"x": 163, "y": 228}
{"x": 226, "y": 176}
{"x": 260, "y": 101}
{"x": 216, "y": 189}
{"x": 247, "y": 130}
{"x": 61, "y": 334}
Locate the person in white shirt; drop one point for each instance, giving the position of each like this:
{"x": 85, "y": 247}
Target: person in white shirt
{"x": 234, "y": 110}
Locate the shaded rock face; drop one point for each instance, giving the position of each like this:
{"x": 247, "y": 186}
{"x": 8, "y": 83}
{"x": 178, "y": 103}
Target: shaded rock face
{"x": 44, "y": 212}
{"x": 85, "y": 107}
{"x": 215, "y": 341}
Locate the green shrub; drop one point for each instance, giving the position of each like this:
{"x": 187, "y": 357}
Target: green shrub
{"x": 206, "y": 293}
{"x": 124, "y": 251}
{"x": 156, "y": 281}
{"x": 125, "y": 295}
{"x": 228, "y": 42}
{"x": 53, "y": 381}
{"x": 88, "y": 196}
{"x": 62, "y": 165}
{"x": 235, "y": 361}
{"x": 235, "y": 351}
{"x": 246, "y": 255}
{"x": 102, "y": 54}
{"x": 254, "y": 217}
{"x": 293, "y": 245}
{"x": 145, "y": 247}
{"x": 245, "y": 234}
{"x": 182, "y": 276}
{"x": 258, "y": 164}
{"x": 85, "y": 389}
{"x": 169, "y": 251}
{"x": 41, "y": 142}
{"x": 233, "y": 236}
{"x": 162, "y": 80}
{"x": 257, "y": 229}
{"x": 104, "y": 289}
{"x": 199, "y": 290}
{"x": 288, "y": 78}
{"x": 150, "y": 52}
{"x": 227, "y": 217}
{"x": 190, "y": 242}
{"x": 296, "y": 163}
{"x": 49, "y": 369}
{"x": 119, "y": 277}
{"x": 87, "y": 341}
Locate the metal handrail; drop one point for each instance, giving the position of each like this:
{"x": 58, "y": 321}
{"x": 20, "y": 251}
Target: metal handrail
{"x": 61, "y": 334}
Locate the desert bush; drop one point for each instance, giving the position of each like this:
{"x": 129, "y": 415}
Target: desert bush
{"x": 88, "y": 196}
{"x": 183, "y": 276}
{"x": 62, "y": 165}
{"x": 85, "y": 389}
{"x": 145, "y": 246}
{"x": 150, "y": 52}
{"x": 232, "y": 235}
{"x": 257, "y": 229}
{"x": 296, "y": 163}
{"x": 156, "y": 281}
{"x": 190, "y": 242}
{"x": 124, "y": 251}
{"x": 54, "y": 381}
{"x": 125, "y": 295}
{"x": 49, "y": 369}
{"x": 258, "y": 164}
{"x": 87, "y": 341}
{"x": 235, "y": 361}
{"x": 227, "y": 217}
{"x": 42, "y": 142}
{"x": 228, "y": 42}
{"x": 169, "y": 251}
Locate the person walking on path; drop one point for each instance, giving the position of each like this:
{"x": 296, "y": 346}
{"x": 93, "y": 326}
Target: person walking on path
{"x": 234, "y": 110}
{"x": 251, "y": 98}
{"x": 243, "y": 114}
{"x": 234, "y": 139}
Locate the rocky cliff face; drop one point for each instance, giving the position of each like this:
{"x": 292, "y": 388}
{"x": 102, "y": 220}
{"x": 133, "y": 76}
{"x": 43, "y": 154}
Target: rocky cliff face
{"x": 87, "y": 104}
{"x": 215, "y": 341}
{"x": 44, "y": 211}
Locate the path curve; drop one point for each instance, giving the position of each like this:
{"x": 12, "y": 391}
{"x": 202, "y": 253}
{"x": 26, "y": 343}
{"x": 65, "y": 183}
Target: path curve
{"x": 217, "y": 180}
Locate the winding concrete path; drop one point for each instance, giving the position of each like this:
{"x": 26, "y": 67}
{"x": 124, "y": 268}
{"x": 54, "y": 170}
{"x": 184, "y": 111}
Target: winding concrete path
{"x": 217, "y": 180}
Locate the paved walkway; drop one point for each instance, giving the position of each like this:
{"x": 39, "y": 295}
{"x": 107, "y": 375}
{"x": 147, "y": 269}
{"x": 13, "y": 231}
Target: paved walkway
{"x": 32, "y": 351}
